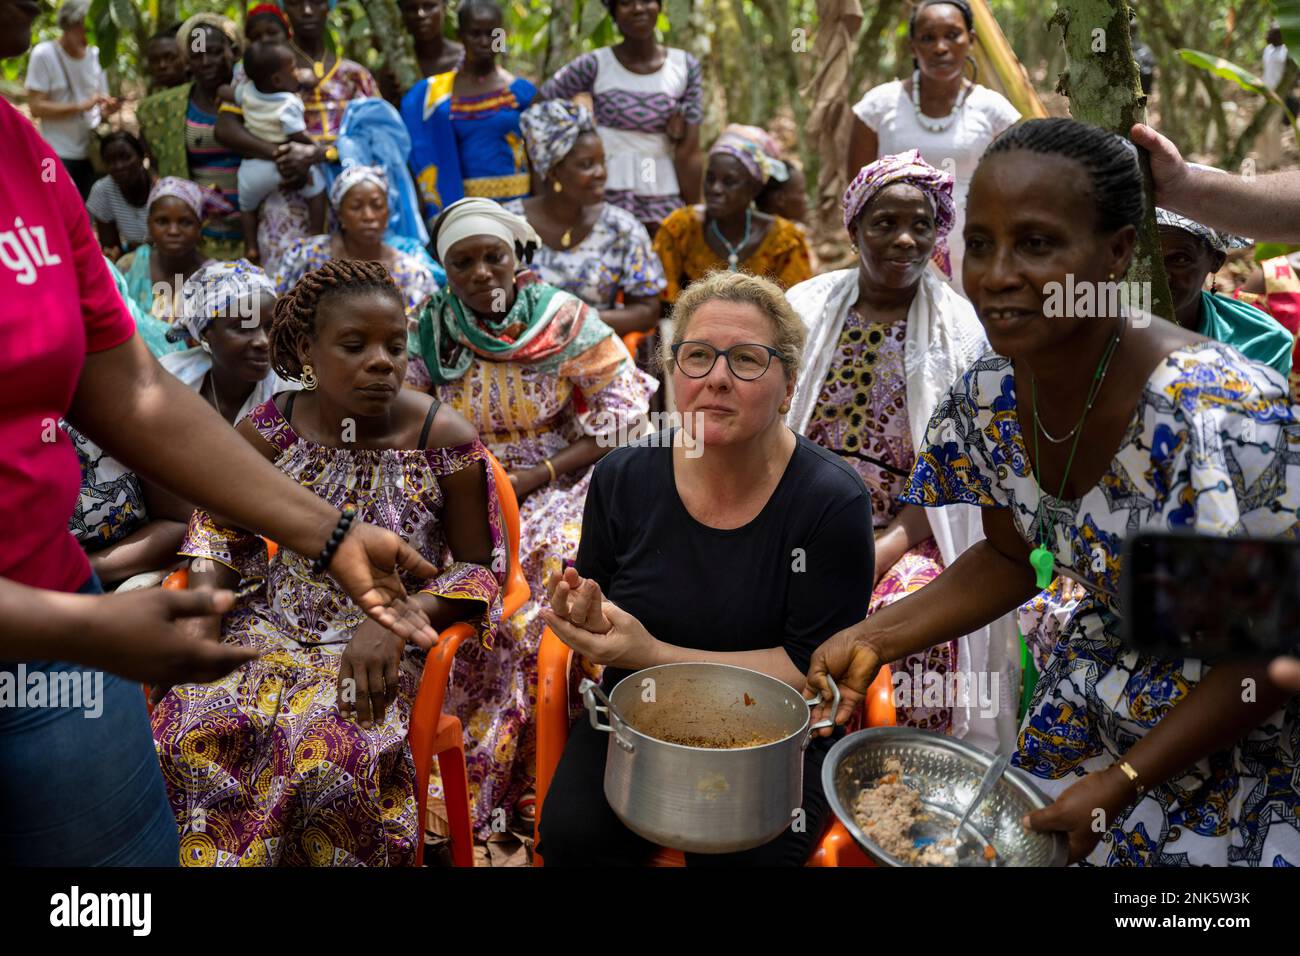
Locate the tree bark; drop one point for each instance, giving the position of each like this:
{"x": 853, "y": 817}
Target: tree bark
{"x": 1102, "y": 83}
{"x": 559, "y": 37}
{"x": 393, "y": 41}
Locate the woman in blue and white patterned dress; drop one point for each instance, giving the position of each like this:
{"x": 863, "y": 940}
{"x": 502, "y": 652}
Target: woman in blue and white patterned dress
{"x": 1129, "y": 424}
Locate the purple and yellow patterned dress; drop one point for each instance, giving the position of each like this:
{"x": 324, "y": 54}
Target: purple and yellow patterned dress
{"x": 260, "y": 767}
{"x": 526, "y": 413}
{"x": 862, "y": 410}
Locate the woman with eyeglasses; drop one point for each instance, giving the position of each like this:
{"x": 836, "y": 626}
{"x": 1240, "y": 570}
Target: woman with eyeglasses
{"x": 732, "y": 540}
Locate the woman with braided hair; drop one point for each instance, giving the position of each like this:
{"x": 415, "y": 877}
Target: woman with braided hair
{"x": 300, "y": 756}
{"x": 1080, "y": 427}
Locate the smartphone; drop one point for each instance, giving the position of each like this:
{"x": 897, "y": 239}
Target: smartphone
{"x": 1190, "y": 595}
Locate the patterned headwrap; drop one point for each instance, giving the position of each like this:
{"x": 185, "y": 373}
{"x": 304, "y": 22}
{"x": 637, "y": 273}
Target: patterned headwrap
{"x": 757, "y": 151}
{"x": 270, "y": 10}
{"x": 550, "y": 129}
{"x": 351, "y": 176}
{"x": 220, "y": 290}
{"x": 222, "y": 24}
{"x": 1218, "y": 241}
{"x": 204, "y": 200}
{"x": 907, "y": 168}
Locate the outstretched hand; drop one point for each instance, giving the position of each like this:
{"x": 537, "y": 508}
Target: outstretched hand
{"x": 366, "y": 565}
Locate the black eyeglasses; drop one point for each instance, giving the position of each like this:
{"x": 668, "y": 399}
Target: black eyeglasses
{"x": 747, "y": 361}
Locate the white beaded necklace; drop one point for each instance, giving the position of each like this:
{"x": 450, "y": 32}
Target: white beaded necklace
{"x": 930, "y": 123}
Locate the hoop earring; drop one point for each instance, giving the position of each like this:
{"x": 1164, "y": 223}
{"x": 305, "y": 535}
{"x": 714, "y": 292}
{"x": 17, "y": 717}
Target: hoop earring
{"x": 974, "y": 68}
{"x": 308, "y": 378}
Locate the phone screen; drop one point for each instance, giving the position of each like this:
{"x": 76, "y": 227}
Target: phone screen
{"x": 1187, "y": 595}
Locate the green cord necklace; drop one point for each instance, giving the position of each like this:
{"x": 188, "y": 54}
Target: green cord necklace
{"x": 1042, "y": 559}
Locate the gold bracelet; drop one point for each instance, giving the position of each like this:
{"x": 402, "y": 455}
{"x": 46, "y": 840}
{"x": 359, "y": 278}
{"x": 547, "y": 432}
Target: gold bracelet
{"x": 549, "y": 467}
{"x": 1126, "y": 768}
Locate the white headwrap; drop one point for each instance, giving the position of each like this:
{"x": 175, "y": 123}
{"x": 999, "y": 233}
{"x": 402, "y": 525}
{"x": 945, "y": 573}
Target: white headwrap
{"x": 477, "y": 216}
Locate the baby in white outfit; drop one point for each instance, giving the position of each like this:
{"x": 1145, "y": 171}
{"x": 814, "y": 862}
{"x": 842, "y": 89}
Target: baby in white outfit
{"x": 273, "y": 112}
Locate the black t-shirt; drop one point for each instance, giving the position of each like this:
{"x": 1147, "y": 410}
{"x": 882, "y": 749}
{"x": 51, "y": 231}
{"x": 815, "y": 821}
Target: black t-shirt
{"x": 792, "y": 577}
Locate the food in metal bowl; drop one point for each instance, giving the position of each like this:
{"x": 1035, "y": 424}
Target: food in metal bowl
{"x": 888, "y": 811}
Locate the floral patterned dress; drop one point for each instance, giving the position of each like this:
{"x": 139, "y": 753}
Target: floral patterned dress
{"x": 260, "y": 767}
{"x": 862, "y": 410}
{"x": 1213, "y": 447}
{"x": 616, "y": 256}
{"x": 524, "y": 416}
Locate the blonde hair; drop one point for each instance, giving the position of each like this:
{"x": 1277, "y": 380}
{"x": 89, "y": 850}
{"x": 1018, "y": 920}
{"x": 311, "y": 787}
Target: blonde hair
{"x": 788, "y": 332}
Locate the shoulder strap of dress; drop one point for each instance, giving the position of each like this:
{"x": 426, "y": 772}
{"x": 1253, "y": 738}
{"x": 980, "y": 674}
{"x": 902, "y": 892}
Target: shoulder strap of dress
{"x": 428, "y": 423}
{"x": 288, "y": 407}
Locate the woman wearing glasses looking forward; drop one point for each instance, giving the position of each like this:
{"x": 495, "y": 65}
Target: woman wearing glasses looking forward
{"x": 740, "y": 551}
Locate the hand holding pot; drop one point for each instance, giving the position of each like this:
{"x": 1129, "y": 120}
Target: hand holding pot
{"x": 627, "y": 644}
{"x": 851, "y": 660}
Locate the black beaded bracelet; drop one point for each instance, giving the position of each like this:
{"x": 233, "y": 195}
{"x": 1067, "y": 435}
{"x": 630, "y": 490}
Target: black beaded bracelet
{"x": 336, "y": 538}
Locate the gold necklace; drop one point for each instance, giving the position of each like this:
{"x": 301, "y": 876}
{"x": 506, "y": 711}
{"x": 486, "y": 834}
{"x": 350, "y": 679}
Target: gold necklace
{"x": 317, "y": 66}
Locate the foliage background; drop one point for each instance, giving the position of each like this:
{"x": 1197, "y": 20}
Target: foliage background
{"x": 756, "y": 64}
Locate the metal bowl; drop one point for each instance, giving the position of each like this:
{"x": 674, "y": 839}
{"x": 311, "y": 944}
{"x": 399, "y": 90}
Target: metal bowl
{"x": 947, "y": 773}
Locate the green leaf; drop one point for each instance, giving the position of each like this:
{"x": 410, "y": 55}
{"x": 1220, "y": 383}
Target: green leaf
{"x": 125, "y": 16}
{"x": 593, "y": 15}
{"x": 1225, "y": 69}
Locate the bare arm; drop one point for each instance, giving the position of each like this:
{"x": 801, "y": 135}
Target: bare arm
{"x": 581, "y": 454}
{"x": 42, "y": 107}
{"x": 864, "y": 147}
{"x": 1266, "y": 208}
{"x": 230, "y": 133}
{"x": 109, "y": 240}
{"x": 639, "y": 314}
{"x": 177, "y": 440}
{"x": 990, "y": 579}
{"x": 149, "y": 548}
{"x": 689, "y": 165}
{"x": 904, "y": 533}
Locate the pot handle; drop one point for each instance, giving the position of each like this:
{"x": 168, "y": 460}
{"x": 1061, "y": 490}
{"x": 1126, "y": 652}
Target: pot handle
{"x": 835, "y": 706}
{"x": 591, "y": 692}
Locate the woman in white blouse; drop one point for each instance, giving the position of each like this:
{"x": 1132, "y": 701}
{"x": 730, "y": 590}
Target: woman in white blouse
{"x": 949, "y": 118}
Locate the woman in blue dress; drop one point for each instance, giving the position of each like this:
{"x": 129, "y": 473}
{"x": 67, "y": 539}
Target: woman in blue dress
{"x": 1072, "y": 433}
{"x": 464, "y": 124}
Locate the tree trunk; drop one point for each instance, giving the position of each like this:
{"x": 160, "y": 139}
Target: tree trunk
{"x": 871, "y": 47}
{"x": 393, "y": 41}
{"x": 1101, "y": 80}
{"x": 559, "y": 37}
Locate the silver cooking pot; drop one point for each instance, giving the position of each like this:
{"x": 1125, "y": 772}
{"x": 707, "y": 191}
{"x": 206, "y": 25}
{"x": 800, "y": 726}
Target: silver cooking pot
{"x": 705, "y": 794}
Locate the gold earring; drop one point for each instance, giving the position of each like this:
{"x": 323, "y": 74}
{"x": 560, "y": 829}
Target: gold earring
{"x": 309, "y": 378}
{"x": 784, "y": 408}
{"x": 1110, "y": 275}
{"x": 557, "y": 187}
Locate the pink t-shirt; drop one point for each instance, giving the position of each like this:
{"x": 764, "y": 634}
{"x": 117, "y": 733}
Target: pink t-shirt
{"x": 57, "y": 303}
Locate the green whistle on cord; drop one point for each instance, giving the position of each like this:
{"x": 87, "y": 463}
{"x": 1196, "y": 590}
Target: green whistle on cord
{"x": 1043, "y": 562}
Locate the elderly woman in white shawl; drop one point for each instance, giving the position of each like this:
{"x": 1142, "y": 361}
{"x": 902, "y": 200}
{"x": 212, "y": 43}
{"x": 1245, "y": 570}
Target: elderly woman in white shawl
{"x": 885, "y": 341}
{"x": 226, "y": 308}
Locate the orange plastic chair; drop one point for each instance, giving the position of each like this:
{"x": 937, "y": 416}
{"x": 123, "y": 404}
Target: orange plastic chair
{"x": 433, "y": 733}
{"x": 633, "y": 341}
{"x": 553, "y": 662}
{"x": 436, "y": 734}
